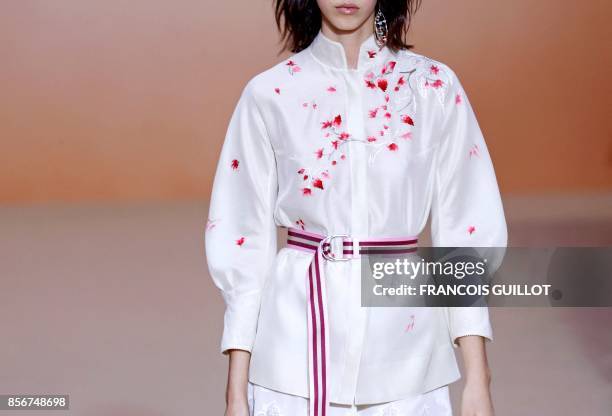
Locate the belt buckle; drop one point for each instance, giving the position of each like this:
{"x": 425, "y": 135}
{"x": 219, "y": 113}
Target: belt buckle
{"x": 327, "y": 255}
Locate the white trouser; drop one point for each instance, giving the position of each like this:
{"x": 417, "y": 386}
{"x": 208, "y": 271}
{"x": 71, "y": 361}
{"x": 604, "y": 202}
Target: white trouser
{"x": 265, "y": 402}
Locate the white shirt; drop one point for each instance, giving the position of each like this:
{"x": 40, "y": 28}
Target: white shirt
{"x": 369, "y": 152}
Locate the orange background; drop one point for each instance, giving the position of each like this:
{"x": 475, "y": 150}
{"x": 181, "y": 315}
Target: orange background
{"x": 130, "y": 100}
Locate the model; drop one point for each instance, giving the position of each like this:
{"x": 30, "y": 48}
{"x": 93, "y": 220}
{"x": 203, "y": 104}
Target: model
{"x": 351, "y": 143}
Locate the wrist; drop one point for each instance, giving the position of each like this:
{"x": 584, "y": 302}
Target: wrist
{"x": 236, "y": 397}
{"x": 480, "y": 377}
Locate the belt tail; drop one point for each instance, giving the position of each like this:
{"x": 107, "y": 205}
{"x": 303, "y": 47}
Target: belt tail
{"x": 318, "y": 338}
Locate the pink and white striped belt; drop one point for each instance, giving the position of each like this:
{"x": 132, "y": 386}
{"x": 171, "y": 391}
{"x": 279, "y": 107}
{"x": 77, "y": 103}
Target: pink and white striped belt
{"x": 318, "y": 333}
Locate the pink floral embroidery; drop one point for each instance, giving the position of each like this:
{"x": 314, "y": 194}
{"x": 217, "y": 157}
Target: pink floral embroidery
{"x": 371, "y": 54}
{"x": 401, "y": 81}
{"x": 382, "y": 84}
{"x": 408, "y": 120}
{"x": 392, "y": 147}
{"x": 235, "y": 164}
{"x": 331, "y": 89}
{"x": 277, "y": 90}
{"x": 240, "y": 241}
{"x": 306, "y": 191}
{"x": 458, "y": 99}
{"x": 300, "y": 223}
{"x": 434, "y": 69}
{"x": 311, "y": 104}
{"x": 410, "y": 325}
{"x": 372, "y": 81}
{"x": 210, "y": 224}
{"x": 471, "y": 229}
{"x": 474, "y": 151}
{"x": 293, "y": 67}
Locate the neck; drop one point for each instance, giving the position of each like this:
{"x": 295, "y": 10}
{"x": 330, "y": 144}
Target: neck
{"x": 350, "y": 40}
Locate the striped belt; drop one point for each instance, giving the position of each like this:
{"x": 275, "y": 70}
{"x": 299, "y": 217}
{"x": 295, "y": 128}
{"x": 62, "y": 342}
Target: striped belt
{"x": 318, "y": 333}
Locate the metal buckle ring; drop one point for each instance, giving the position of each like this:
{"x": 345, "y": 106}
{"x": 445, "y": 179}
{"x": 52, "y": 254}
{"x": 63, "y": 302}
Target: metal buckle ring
{"x": 328, "y": 240}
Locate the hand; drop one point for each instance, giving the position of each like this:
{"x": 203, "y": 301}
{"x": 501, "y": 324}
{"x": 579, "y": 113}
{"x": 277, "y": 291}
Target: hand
{"x": 476, "y": 399}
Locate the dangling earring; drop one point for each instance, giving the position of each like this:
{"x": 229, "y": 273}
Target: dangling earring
{"x": 380, "y": 26}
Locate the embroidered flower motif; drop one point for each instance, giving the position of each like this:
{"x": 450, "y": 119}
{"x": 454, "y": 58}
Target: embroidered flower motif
{"x": 400, "y": 81}
{"x": 277, "y": 90}
{"x": 382, "y": 84}
{"x": 335, "y": 137}
{"x": 407, "y": 119}
{"x": 474, "y": 151}
{"x": 210, "y": 224}
{"x": 373, "y": 82}
{"x": 235, "y": 164}
{"x": 392, "y": 147}
{"x": 331, "y": 88}
{"x": 434, "y": 69}
{"x": 458, "y": 99}
{"x": 312, "y": 104}
{"x": 293, "y": 67}
{"x": 240, "y": 241}
{"x": 410, "y": 325}
{"x": 270, "y": 410}
{"x": 471, "y": 229}
{"x": 300, "y": 223}
{"x": 389, "y": 410}
{"x": 371, "y": 54}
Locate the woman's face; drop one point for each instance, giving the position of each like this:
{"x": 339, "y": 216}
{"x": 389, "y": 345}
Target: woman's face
{"x": 346, "y": 15}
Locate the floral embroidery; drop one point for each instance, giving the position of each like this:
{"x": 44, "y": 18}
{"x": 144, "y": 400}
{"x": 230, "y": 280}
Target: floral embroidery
{"x": 389, "y": 410}
{"x": 312, "y": 104}
{"x": 385, "y": 133}
{"x": 373, "y": 81}
{"x": 371, "y": 54}
{"x": 270, "y": 410}
{"x": 293, "y": 67}
{"x": 300, "y": 223}
{"x": 277, "y": 90}
{"x": 436, "y": 83}
{"x": 336, "y": 138}
{"x": 474, "y": 151}
{"x": 408, "y": 120}
{"x": 458, "y": 99}
{"x": 410, "y": 325}
{"x": 210, "y": 224}
{"x": 471, "y": 229}
{"x": 235, "y": 164}
{"x": 240, "y": 241}
{"x": 382, "y": 82}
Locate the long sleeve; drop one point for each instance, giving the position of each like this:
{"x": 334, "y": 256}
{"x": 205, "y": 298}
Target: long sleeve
{"x": 240, "y": 235}
{"x": 466, "y": 208}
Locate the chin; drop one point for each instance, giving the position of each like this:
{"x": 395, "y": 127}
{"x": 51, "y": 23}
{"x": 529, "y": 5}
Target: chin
{"x": 347, "y": 23}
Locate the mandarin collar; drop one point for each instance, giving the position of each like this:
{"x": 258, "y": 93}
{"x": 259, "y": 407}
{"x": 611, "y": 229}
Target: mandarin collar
{"x": 331, "y": 53}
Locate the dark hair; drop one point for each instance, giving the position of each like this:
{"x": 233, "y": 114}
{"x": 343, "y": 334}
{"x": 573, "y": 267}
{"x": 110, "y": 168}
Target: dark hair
{"x": 299, "y": 21}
